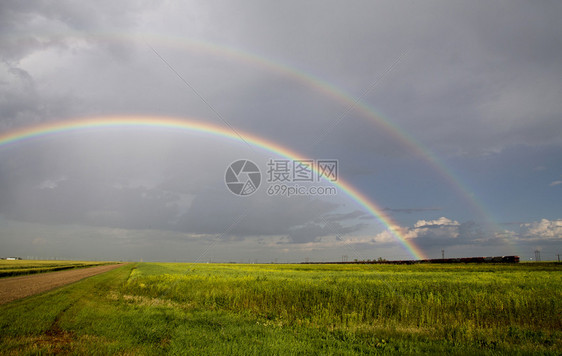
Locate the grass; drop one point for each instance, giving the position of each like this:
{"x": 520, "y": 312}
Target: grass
{"x": 11, "y": 268}
{"x": 167, "y": 308}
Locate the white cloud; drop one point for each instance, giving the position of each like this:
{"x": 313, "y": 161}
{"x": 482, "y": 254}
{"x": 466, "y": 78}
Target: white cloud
{"x": 556, "y": 182}
{"x": 440, "y": 228}
{"x": 442, "y": 221}
{"x": 506, "y": 235}
{"x": 544, "y": 229}
{"x": 441, "y": 232}
{"x": 385, "y": 237}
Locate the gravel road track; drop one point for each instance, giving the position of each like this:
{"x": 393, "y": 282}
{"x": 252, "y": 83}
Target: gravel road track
{"x": 12, "y": 288}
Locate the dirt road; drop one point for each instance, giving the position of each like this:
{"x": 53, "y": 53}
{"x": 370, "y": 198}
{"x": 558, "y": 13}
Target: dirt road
{"x": 13, "y": 288}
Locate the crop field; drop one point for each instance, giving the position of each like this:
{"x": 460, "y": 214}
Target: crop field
{"x": 10, "y": 268}
{"x": 173, "y": 308}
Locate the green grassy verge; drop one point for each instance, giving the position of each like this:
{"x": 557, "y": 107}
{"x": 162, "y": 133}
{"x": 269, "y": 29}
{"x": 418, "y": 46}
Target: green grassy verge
{"x": 151, "y": 308}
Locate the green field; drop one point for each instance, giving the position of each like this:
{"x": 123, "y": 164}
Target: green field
{"x": 23, "y": 267}
{"x": 160, "y": 308}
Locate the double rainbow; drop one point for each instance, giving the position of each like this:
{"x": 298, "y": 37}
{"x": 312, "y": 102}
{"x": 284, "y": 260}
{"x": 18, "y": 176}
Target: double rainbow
{"x": 289, "y": 71}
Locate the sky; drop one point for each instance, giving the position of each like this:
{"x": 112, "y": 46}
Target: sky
{"x": 444, "y": 121}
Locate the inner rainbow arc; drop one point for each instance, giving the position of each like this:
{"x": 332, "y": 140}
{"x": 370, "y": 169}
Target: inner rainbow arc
{"x": 57, "y": 127}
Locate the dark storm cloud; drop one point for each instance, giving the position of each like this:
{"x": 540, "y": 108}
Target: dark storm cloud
{"x": 63, "y": 200}
{"x": 90, "y": 200}
{"x": 473, "y": 80}
{"x": 260, "y": 215}
{"x": 462, "y": 79}
{"x": 30, "y": 26}
{"x": 488, "y": 79}
{"x": 31, "y": 29}
{"x": 18, "y": 96}
{"x": 468, "y": 70}
{"x": 117, "y": 181}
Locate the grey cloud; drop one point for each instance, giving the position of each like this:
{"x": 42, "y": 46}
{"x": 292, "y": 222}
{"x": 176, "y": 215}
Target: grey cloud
{"x": 411, "y": 210}
{"x": 29, "y": 26}
{"x": 260, "y": 215}
{"x": 18, "y": 96}
{"x": 474, "y": 80}
{"x": 356, "y": 214}
{"x": 313, "y": 232}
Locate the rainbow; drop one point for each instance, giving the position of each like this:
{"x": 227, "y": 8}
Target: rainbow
{"x": 59, "y": 127}
{"x": 299, "y": 76}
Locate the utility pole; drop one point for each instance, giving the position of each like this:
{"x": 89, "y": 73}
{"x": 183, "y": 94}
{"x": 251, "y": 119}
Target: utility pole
{"x": 558, "y": 257}
{"x": 443, "y": 254}
{"x": 537, "y": 256}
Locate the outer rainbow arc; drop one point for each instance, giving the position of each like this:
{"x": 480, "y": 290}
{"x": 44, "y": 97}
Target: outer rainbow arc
{"x": 197, "y": 126}
{"x": 340, "y": 96}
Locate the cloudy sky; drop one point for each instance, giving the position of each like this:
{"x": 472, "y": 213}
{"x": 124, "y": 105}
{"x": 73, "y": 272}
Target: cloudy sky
{"x": 446, "y": 116}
